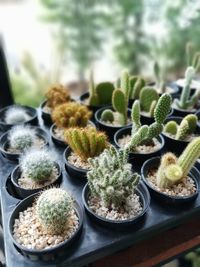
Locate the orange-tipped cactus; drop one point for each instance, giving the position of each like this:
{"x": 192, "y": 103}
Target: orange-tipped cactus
{"x": 71, "y": 114}
{"x": 57, "y": 95}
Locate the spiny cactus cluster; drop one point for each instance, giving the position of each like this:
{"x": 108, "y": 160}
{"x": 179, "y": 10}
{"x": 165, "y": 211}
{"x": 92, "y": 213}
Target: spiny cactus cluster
{"x": 21, "y": 137}
{"x": 148, "y": 100}
{"x": 172, "y": 169}
{"x": 100, "y": 94}
{"x": 160, "y": 84}
{"x": 52, "y": 209}
{"x": 143, "y": 134}
{"x": 186, "y": 102}
{"x": 37, "y": 165}
{"x": 86, "y": 142}
{"x": 71, "y": 114}
{"x": 57, "y": 95}
{"x": 111, "y": 177}
{"x": 186, "y": 127}
{"x": 136, "y": 85}
{"x": 16, "y": 115}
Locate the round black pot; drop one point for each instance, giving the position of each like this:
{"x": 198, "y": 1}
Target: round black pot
{"x": 173, "y": 145}
{"x": 180, "y": 87}
{"x": 23, "y": 193}
{"x": 45, "y": 115}
{"x": 50, "y": 253}
{"x": 181, "y": 112}
{"x": 71, "y": 169}
{"x": 134, "y": 157}
{"x": 148, "y": 120}
{"x": 108, "y": 129}
{"x": 175, "y": 200}
{"x": 144, "y": 196}
{"x": 4, "y": 143}
{"x": 32, "y": 112}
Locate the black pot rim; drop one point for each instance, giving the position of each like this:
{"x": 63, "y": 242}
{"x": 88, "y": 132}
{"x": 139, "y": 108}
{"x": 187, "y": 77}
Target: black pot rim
{"x": 136, "y": 153}
{"x": 99, "y": 111}
{"x": 49, "y": 250}
{"x": 174, "y": 106}
{"x": 119, "y": 222}
{"x": 56, "y": 164}
{"x": 42, "y": 107}
{"x": 163, "y": 194}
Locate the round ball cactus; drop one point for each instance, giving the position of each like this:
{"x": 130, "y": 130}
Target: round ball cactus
{"x": 52, "y": 209}
{"x": 15, "y": 115}
{"x": 21, "y": 137}
{"x": 37, "y": 165}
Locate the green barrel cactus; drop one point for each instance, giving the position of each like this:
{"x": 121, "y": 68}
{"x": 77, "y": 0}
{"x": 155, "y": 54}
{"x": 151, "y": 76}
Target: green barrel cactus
{"x": 171, "y": 127}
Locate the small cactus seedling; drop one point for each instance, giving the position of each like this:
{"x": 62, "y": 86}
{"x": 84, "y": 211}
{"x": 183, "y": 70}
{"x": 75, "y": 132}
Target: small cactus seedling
{"x": 186, "y": 127}
{"x": 57, "y": 95}
{"x": 136, "y": 85}
{"x": 16, "y": 115}
{"x": 160, "y": 84}
{"x": 86, "y": 142}
{"x": 52, "y": 209}
{"x": 111, "y": 177}
{"x": 148, "y": 99}
{"x": 71, "y": 114}
{"x": 193, "y": 58}
{"x": 37, "y": 165}
{"x": 21, "y": 137}
{"x": 172, "y": 169}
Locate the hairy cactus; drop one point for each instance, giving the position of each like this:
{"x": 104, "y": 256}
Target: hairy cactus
{"x": 37, "y": 165}
{"x": 16, "y": 115}
{"x": 86, "y": 142}
{"x": 171, "y": 127}
{"x": 148, "y": 98}
{"x": 111, "y": 177}
{"x": 107, "y": 115}
{"x": 52, "y": 209}
{"x": 100, "y": 94}
{"x": 136, "y": 85}
{"x": 172, "y": 170}
{"x": 57, "y": 95}
{"x": 70, "y": 115}
{"x": 21, "y": 137}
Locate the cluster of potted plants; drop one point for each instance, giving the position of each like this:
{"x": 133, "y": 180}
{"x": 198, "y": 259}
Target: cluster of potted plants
{"x": 131, "y": 128}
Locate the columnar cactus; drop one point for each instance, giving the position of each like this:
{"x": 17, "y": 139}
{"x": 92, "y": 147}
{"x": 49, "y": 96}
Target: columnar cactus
{"x": 111, "y": 177}
{"x": 52, "y": 209}
{"x": 57, "y": 95}
{"x": 16, "y": 115}
{"x": 160, "y": 85}
{"x": 172, "y": 170}
{"x": 86, "y": 142}
{"x": 21, "y": 137}
{"x": 136, "y": 85}
{"x": 71, "y": 114}
{"x": 37, "y": 165}
{"x": 148, "y": 99}
{"x": 193, "y": 58}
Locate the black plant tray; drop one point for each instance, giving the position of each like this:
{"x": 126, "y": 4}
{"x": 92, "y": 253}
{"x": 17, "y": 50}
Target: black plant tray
{"x": 96, "y": 241}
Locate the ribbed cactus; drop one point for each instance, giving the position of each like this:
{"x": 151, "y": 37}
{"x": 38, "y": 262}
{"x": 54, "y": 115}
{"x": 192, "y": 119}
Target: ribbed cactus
{"x": 173, "y": 170}
{"x": 86, "y": 142}
{"x": 71, "y": 114}
{"x": 148, "y": 97}
{"x": 111, "y": 177}
{"x": 57, "y": 95}
{"x": 16, "y": 115}
{"x": 21, "y": 137}
{"x": 171, "y": 127}
{"x": 37, "y": 165}
{"x": 136, "y": 85}
{"x": 52, "y": 209}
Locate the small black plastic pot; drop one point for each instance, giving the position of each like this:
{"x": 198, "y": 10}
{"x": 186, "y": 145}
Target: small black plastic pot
{"x": 154, "y": 163}
{"x": 173, "y": 145}
{"x": 45, "y": 115}
{"x": 22, "y": 192}
{"x": 32, "y": 112}
{"x": 144, "y": 196}
{"x": 108, "y": 129}
{"x": 135, "y": 157}
{"x": 4, "y": 144}
{"x": 71, "y": 169}
{"x": 50, "y": 253}
{"x": 180, "y": 87}
{"x": 182, "y": 112}
{"x": 148, "y": 120}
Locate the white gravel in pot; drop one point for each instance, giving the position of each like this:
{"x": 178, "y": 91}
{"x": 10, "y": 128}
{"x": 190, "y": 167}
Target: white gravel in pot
{"x": 77, "y": 161}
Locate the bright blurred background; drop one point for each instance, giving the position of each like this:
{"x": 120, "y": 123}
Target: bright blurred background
{"x": 49, "y": 41}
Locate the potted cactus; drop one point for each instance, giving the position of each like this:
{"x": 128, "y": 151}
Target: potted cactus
{"x": 68, "y": 115}
{"x": 36, "y": 171}
{"x": 83, "y": 143}
{"x": 143, "y": 140}
{"x": 136, "y": 85}
{"x": 173, "y": 179}
{"x": 16, "y": 114}
{"x": 44, "y": 225}
{"x": 20, "y": 138}
{"x": 111, "y": 119}
{"x": 111, "y": 196}
{"x": 55, "y": 95}
{"x": 178, "y": 132}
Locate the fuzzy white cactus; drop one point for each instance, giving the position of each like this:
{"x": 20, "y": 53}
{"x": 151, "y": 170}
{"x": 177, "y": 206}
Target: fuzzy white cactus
{"x": 15, "y": 115}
